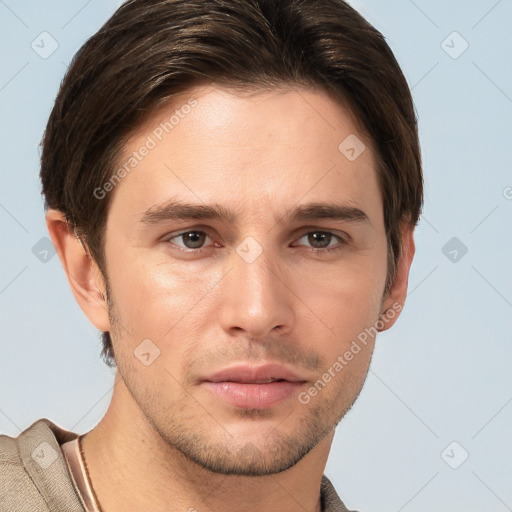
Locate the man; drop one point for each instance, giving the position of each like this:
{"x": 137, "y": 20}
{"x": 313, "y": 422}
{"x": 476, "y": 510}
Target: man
{"x": 232, "y": 188}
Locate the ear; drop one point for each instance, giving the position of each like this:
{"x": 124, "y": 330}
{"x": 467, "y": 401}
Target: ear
{"x": 394, "y": 299}
{"x": 84, "y": 276}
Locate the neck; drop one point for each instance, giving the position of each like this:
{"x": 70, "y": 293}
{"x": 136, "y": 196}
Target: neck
{"x": 132, "y": 468}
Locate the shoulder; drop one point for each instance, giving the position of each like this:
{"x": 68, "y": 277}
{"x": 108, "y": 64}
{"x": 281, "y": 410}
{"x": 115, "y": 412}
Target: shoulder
{"x": 34, "y": 472}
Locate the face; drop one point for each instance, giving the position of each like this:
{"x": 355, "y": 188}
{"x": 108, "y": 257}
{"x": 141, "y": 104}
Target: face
{"x": 245, "y": 253}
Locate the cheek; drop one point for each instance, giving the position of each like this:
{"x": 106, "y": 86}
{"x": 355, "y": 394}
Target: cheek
{"x": 345, "y": 296}
{"x": 160, "y": 300}
{"x": 349, "y": 303}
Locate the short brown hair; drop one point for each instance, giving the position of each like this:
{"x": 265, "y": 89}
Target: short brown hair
{"x": 150, "y": 50}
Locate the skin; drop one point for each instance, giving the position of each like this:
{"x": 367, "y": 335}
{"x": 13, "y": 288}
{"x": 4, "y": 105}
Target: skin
{"x": 166, "y": 442}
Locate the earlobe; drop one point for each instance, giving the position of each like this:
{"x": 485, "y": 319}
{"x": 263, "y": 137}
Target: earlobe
{"x": 83, "y": 274}
{"x": 395, "y": 298}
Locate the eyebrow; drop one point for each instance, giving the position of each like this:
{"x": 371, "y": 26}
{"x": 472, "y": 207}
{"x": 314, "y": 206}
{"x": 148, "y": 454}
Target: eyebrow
{"x": 179, "y": 210}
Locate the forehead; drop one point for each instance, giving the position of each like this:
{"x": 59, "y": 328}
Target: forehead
{"x": 249, "y": 151}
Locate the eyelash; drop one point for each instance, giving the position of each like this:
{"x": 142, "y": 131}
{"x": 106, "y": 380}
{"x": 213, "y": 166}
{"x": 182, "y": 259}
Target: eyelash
{"x": 341, "y": 244}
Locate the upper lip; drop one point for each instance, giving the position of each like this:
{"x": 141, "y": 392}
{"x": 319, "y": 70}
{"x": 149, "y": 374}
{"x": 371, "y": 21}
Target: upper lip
{"x": 253, "y": 374}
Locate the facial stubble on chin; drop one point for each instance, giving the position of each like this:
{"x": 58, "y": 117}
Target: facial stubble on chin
{"x": 233, "y": 456}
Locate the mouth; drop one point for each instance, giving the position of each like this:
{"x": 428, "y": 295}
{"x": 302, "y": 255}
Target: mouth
{"x": 250, "y": 387}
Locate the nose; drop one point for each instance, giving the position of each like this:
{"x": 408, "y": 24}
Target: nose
{"x": 257, "y": 299}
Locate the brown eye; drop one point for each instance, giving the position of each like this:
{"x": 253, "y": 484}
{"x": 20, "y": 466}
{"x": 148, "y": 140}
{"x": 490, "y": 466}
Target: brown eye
{"x": 320, "y": 239}
{"x": 190, "y": 239}
{"x": 193, "y": 239}
{"x": 323, "y": 240}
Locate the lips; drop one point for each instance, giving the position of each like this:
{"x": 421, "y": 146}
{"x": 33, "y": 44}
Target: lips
{"x": 255, "y": 374}
{"x": 252, "y": 387}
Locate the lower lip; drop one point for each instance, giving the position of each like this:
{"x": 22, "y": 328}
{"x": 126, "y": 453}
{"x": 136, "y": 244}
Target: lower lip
{"x": 254, "y": 396}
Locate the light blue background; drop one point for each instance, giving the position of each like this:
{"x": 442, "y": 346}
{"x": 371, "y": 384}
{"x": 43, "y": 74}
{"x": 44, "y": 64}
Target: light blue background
{"x": 442, "y": 374}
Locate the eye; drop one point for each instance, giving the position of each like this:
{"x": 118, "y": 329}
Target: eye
{"x": 191, "y": 240}
{"x": 321, "y": 240}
